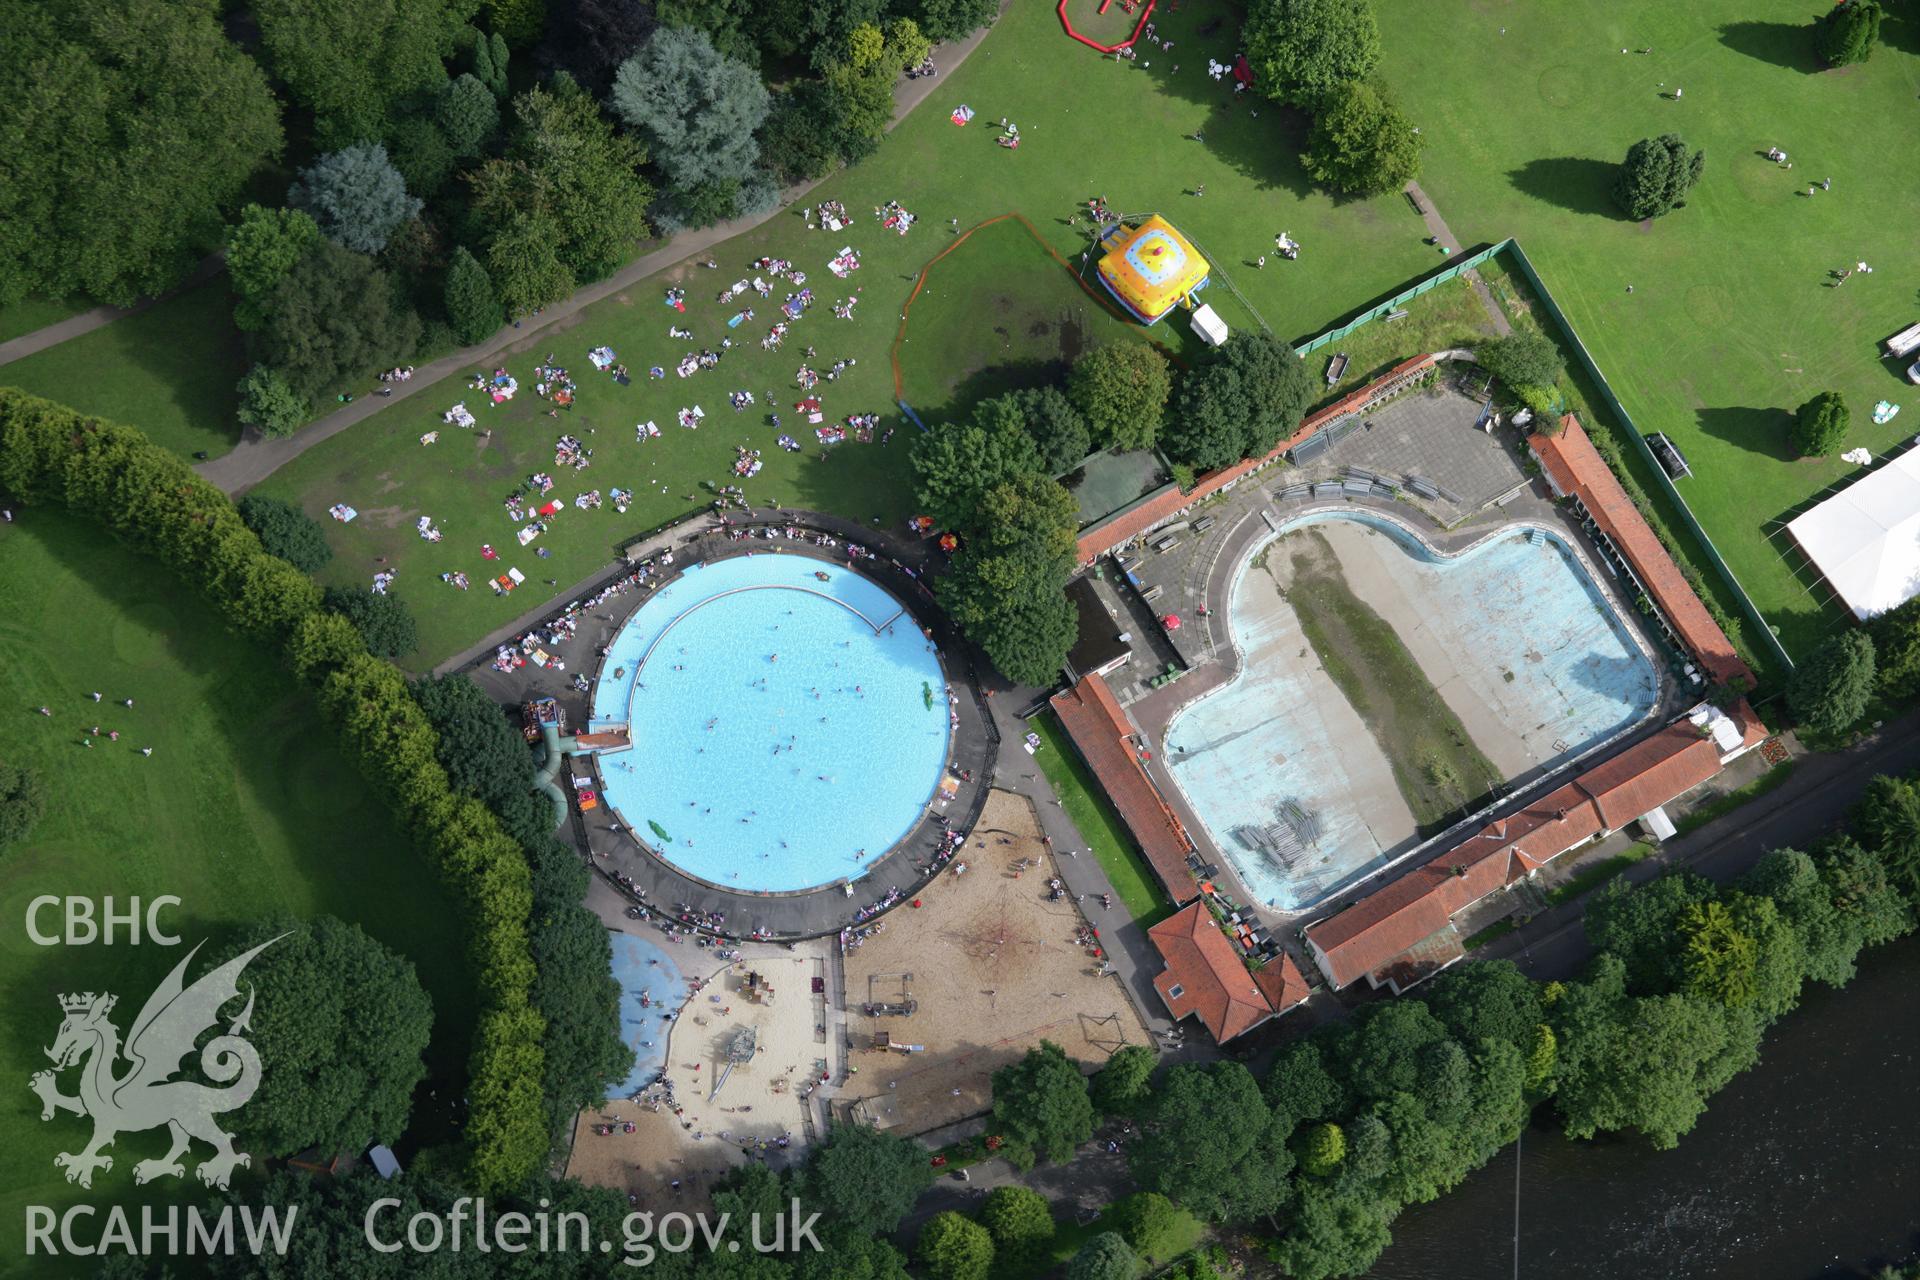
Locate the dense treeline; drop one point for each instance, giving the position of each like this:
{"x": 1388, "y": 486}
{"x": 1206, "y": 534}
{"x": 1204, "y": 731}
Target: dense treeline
{"x": 1400, "y": 1103}
{"x": 459, "y": 162}
{"x": 155, "y": 503}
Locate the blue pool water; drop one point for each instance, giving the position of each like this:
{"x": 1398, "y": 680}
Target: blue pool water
{"x": 660, "y": 982}
{"x": 1518, "y": 640}
{"x": 787, "y": 731}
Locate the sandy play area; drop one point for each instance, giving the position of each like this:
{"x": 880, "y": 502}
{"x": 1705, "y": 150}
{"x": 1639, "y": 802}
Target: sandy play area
{"x": 991, "y": 967}
{"x": 759, "y": 1102}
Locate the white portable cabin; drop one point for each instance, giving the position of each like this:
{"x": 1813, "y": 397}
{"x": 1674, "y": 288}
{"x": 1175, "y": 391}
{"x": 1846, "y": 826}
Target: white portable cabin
{"x": 1905, "y": 342}
{"x": 1208, "y": 324}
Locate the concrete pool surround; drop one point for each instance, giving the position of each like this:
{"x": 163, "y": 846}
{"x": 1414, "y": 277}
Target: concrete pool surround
{"x": 1630, "y": 672}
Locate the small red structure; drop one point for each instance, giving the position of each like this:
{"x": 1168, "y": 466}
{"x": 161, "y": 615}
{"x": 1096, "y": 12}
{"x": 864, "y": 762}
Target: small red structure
{"x": 1146, "y": 11}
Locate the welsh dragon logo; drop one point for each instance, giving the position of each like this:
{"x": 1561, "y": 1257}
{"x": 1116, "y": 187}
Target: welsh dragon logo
{"x": 145, "y": 1096}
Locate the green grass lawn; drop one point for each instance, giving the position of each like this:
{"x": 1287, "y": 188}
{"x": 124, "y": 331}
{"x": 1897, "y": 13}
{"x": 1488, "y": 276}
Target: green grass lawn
{"x": 1443, "y": 318}
{"x": 28, "y": 314}
{"x": 1098, "y": 824}
{"x": 169, "y": 371}
{"x": 998, "y": 311}
{"x": 244, "y": 810}
{"x": 1089, "y": 127}
{"x": 1730, "y": 324}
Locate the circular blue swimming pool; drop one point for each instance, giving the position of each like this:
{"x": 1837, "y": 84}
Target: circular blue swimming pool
{"x": 790, "y": 722}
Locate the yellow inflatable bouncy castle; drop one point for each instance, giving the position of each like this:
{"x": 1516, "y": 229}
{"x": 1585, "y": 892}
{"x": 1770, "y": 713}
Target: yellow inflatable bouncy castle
{"x": 1151, "y": 269}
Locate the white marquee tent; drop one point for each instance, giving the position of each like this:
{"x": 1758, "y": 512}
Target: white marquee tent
{"x": 1866, "y": 539}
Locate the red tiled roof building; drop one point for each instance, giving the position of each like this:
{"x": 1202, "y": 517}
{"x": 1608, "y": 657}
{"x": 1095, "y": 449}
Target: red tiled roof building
{"x": 1206, "y": 978}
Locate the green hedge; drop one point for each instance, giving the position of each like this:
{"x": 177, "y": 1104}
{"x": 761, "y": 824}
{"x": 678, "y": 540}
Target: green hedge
{"x": 154, "y": 502}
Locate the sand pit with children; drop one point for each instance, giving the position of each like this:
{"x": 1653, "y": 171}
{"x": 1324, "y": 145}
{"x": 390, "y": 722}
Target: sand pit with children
{"x": 996, "y": 967}
{"x": 741, "y": 1057}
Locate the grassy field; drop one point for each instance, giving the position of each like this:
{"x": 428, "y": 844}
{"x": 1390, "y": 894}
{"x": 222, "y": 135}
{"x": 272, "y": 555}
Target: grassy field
{"x": 1089, "y": 127}
{"x": 169, "y": 371}
{"x": 1105, "y": 834}
{"x": 1443, "y": 318}
{"x": 244, "y": 810}
{"x": 1528, "y": 109}
{"x": 998, "y": 311}
{"x": 1435, "y": 763}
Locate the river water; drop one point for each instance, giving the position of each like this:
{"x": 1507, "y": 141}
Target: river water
{"x": 1807, "y": 1166}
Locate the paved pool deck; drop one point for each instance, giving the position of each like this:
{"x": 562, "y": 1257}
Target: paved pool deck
{"x": 1246, "y": 516}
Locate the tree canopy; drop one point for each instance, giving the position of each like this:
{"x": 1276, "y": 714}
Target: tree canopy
{"x": 352, "y": 62}
{"x": 1820, "y": 426}
{"x": 1243, "y": 399}
{"x": 1020, "y": 1222}
{"x": 340, "y": 1024}
{"x": 1829, "y": 692}
{"x": 1486, "y": 1000}
{"x": 333, "y": 315}
{"x": 1041, "y": 1107}
{"x": 1644, "y": 1062}
{"x": 261, "y": 248}
{"x": 1657, "y": 175}
{"x": 1362, "y": 143}
{"x": 1059, "y": 431}
{"x": 955, "y": 1247}
{"x": 473, "y": 308}
{"x": 1302, "y": 50}
{"x": 696, "y": 107}
{"x": 383, "y": 621}
{"x": 1008, "y": 582}
{"x": 1523, "y": 358}
{"x": 1105, "y": 1257}
{"x": 1896, "y": 649}
{"x": 129, "y": 127}
{"x": 286, "y": 531}
{"x": 1121, "y": 388}
{"x": 590, "y": 38}
{"x": 356, "y": 197}
{"x": 1848, "y": 32}
{"x": 270, "y": 403}
{"x": 1122, "y": 1082}
{"x": 23, "y": 802}
{"x": 955, "y": 464}
{"x": 1211, "y": 1143}
{"x": 866, "y": 1178}
{"x": 564, "y": 205}
{"x": 1887, "y": 821}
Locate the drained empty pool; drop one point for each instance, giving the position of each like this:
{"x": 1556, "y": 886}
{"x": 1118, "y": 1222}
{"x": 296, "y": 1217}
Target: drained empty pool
{"x": 789, "y": 720}
{"x": 1385, "y": 689}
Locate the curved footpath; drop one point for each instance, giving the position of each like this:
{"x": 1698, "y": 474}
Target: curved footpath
{"x": 256, "y": 456}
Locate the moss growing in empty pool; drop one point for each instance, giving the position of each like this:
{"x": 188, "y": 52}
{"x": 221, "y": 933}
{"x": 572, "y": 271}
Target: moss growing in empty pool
{"x": 1438, "y": 769}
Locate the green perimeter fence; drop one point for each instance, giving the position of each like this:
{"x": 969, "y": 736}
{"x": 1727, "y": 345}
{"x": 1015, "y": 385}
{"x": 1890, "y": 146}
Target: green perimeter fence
{"x": 1380, "y": 310}
{"x": 1639, "y": 443}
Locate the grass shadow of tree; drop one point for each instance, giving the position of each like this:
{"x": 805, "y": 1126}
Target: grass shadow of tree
{"x": 1758, "y": 430}
{"x": 1575, "y": 183}
{"x": 1784, "y": 44}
